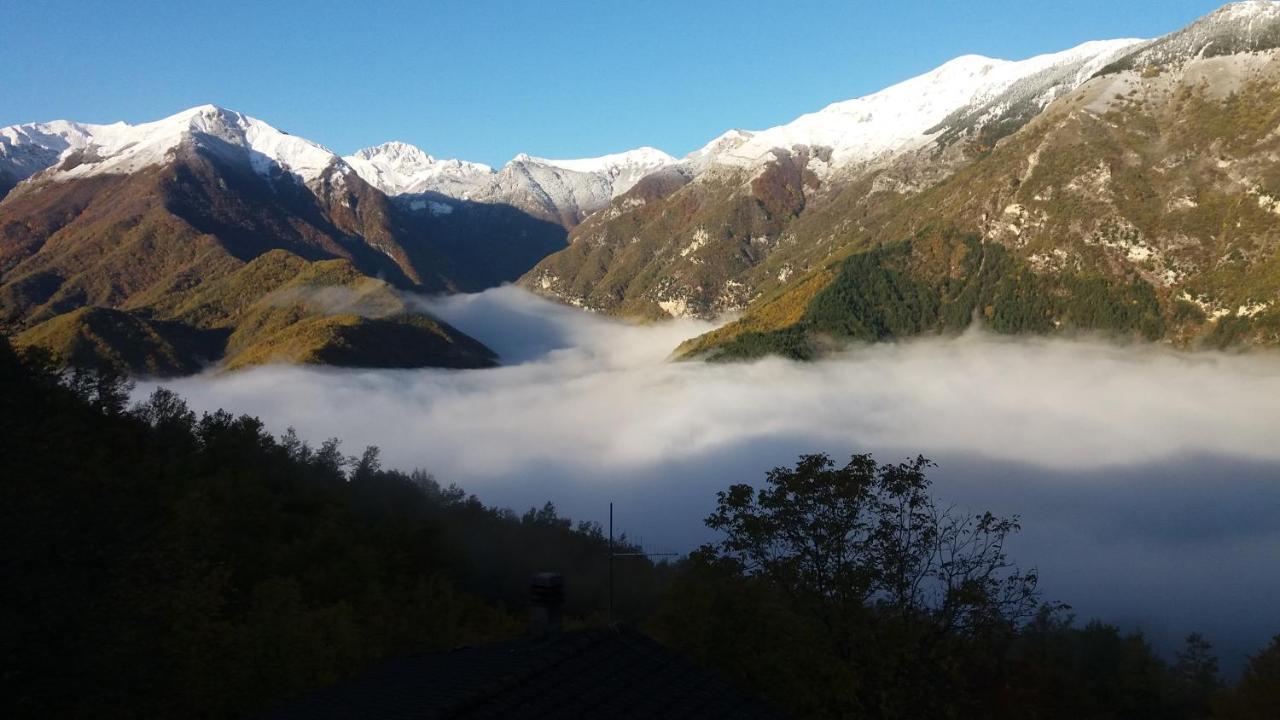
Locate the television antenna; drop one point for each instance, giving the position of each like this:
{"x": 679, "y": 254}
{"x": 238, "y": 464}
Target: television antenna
{"x": 613, "y": 554}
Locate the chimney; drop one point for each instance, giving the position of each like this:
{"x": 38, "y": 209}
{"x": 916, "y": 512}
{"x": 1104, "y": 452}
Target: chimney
{"x": 546, "y": 598}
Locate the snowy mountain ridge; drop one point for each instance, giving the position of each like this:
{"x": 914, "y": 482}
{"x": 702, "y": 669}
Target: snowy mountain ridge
{"x": 398, "y": 168}
{"x": 960, "y": 95}
{"x": 906, "y": 116}
{"x": 898, "y": 119}
{"x": 76, "y": 150}
{"x": 1240, "y": 27}
{"x": 560, "y": 190}
{"x": 901, "y": 118}
{"x": 642, "y": 160}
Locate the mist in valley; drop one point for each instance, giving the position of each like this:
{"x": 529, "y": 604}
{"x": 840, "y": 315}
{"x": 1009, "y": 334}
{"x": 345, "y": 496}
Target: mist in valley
{"x": 1147, "y": 480}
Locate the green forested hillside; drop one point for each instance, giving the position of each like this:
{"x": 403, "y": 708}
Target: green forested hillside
{"x": 941, "y": 283}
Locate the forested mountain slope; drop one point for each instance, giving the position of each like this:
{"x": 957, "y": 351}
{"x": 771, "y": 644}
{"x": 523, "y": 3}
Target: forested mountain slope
{"x": 1144, "y": 203}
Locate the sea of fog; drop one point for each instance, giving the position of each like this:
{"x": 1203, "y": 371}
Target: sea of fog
{"x": 1148, "y": 481}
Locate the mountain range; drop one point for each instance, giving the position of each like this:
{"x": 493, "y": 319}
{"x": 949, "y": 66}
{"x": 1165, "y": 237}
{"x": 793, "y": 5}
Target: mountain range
{"x": 156, "y": 247}
{"x": 1128, "y": 187}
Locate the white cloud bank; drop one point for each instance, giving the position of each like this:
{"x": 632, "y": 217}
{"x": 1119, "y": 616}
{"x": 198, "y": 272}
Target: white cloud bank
{"x": 588, "y": 393}
{"x": 1142, "y": 474}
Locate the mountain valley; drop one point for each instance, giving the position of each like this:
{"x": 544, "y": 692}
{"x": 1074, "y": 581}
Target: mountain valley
{"x": 1123, "y": 187}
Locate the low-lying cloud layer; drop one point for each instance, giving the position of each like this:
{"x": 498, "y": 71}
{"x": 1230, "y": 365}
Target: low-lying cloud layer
{"x": 1148, "y": 481}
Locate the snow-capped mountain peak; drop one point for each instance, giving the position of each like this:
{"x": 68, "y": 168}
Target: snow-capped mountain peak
{"x": 562, "y": 190}
{"x": 1248, "y": 9}
{"x": 724, "y": 142}
{"x": 395, "y": 150}
{"x": 27, "y": 149}
{"x": 642, "y": 159}
{"x": 267, "y": 146}
{"x": 904, "y": 116}
{"x": 398, "y": 168}
{"x": 121, "y": 148}
{"x": 618, "y": 171}
{"x": 1239, "y": 27}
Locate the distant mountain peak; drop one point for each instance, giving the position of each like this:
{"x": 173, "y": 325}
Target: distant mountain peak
{"x": 1239, "y": 27}
{"x": 399, "y": 168}
{"x": 1249, "y": 8}
{"x": 122, "y": 148}
{"x": 564, "y": 191}
{"x": 641, "y": 158}
{"x": 395, "y": 149}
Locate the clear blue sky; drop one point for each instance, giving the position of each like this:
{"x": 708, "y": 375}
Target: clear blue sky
{"x": 484, "y": 80}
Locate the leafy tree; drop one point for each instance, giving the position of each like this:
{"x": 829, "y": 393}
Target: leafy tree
{"x": 545, "y": 516}
{"x": 1195, "y": 676}
{"x": 1257, "y": 696}
{"x": 899, "y": 601}
{"x": 840, "y": 540}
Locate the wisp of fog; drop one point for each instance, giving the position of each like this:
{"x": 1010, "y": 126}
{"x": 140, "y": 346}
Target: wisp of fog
{"x": 1147, "y": 480}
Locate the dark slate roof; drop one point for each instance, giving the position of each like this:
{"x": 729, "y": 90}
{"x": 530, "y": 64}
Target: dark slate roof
{"x": 605, "y": 673}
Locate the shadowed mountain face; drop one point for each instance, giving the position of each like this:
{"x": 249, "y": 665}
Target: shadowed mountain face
{"x": 482, "y": 244}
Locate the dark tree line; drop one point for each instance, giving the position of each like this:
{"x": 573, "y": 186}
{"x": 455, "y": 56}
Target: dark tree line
{"x": 159, "y": 563}
{"x": 156, "y": 563}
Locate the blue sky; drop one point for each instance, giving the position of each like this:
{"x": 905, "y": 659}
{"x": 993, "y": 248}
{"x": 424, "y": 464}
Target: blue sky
{"x": 485, "y": 80}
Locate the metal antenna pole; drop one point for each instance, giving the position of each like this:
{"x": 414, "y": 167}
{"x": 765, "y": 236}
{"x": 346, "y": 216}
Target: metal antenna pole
{"x": 612, "y": 555}
{"x": 611, "y": 563}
